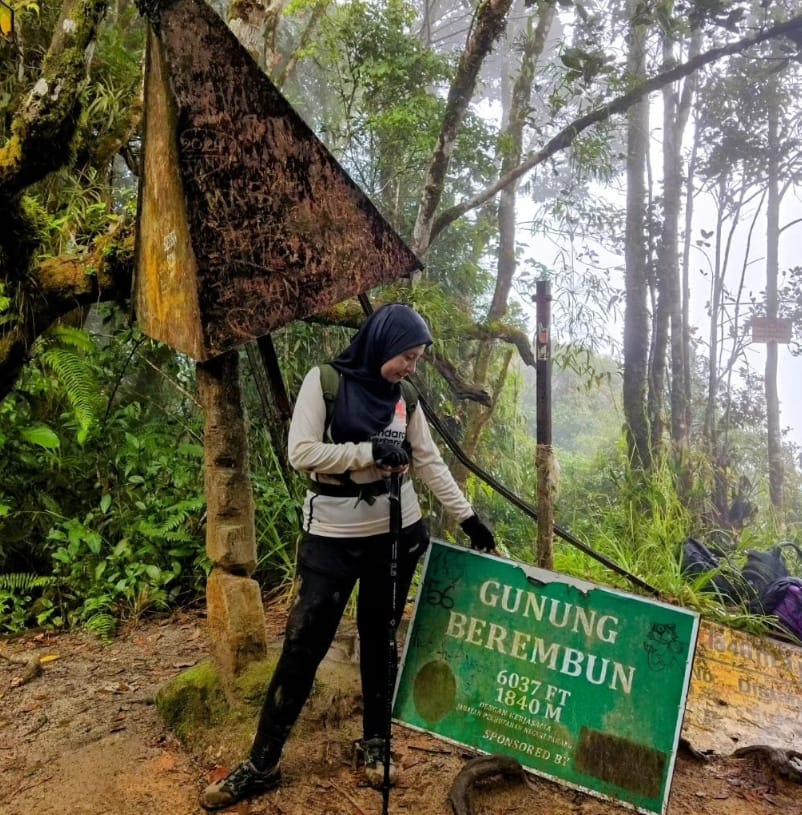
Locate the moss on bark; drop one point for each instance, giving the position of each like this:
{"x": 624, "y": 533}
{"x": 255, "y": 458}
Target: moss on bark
{"x": 56, "y": 287}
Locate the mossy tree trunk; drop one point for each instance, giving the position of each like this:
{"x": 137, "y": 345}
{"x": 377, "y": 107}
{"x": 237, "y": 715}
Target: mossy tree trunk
{"x": 41, "y": 140}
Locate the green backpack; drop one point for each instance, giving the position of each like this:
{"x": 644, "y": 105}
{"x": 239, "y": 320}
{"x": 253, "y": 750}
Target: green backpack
{"x": 330, "y": 383}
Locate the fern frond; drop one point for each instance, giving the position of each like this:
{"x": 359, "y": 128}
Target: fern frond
{"x": 77, "y": 379}
{"x": 19, "y": 582}
{"x": 103, "y": 624}
{"x": 169, "y": 528}
{"x": 72, "y": 337}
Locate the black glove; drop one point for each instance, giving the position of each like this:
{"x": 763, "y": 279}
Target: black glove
{"x": 386, "y": 454}
{"x": 479, "y": 533}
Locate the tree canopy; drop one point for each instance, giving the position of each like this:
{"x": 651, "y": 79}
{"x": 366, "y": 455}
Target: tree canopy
{"x": 506, "y": 142}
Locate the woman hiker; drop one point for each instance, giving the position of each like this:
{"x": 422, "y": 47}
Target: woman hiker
{"x": 374, "y": 432}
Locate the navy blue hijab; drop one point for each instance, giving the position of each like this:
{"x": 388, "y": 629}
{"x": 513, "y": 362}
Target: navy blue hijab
{"x": 365, "y": 400}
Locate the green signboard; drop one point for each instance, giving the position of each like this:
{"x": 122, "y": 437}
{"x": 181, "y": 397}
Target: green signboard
{"x": 579, "y": 683}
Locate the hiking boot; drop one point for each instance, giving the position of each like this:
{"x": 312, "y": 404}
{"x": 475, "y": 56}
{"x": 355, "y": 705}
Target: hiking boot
{"x": 243, "y": 782}
{"x": 373, "y": 758}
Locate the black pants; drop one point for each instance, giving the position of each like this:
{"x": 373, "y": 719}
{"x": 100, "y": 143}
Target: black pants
{"x": 328, "y": 569}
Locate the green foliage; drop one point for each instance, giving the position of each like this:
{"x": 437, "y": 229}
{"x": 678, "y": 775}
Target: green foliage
{"x": 62, "y": 355}
{"x": 80, "y": 201}
{"x": 278, "y": 505}
{"x": 101, "y": 484}
{"x": 104, "y": 499}
{"x": 18, "y": 592}
{"x": 375, "y": 93}
{"x": 77, "y": 207}
{"x": 639, "y": 523}
{"x": 110, "y": 580}
{"x": 585, "y": 65}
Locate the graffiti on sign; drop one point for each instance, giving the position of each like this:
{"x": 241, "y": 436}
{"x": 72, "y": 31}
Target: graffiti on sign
{"x": 578, "y": 683}
{"x": 247, "y": 222}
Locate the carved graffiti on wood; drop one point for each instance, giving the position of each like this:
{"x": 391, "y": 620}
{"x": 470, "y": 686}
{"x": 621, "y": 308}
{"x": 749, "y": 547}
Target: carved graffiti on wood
{"x": 247, "y": 222}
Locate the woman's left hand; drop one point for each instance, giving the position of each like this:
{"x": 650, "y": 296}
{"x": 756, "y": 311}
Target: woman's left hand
{"x": 390, "y": 457}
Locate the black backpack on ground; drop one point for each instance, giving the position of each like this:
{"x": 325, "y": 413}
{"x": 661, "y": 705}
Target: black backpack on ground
{"x": 699, "y": 560}
{"x": 763, "y": 568}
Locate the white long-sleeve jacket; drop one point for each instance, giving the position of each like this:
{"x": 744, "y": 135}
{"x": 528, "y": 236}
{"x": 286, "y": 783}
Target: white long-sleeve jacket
{"x": 346, "y": 517}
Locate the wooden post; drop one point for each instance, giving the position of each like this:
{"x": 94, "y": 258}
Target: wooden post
{"x": 234, "y": 602}
{"x": 546, "y": 480}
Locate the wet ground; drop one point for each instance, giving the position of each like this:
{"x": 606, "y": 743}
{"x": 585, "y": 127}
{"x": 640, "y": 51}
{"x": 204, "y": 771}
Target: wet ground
{"x": 84, "y": 737}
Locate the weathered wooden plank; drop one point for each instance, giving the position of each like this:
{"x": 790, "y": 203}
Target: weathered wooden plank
{"x": 247, "y": 222}
{"x": 166, "y": 282}
{"x": 745, "y": 690}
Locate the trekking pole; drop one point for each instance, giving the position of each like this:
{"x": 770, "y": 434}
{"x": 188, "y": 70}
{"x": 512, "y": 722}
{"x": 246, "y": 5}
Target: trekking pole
{"x": 394, "y": 494}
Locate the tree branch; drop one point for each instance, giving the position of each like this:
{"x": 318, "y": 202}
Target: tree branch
{"x": 460, "y": 388}
{"x": 507, "y": 333}
{"x": 618, "y": 105}
{"x": 349, "y": 315}
{"x": 60, "y": 285}
{"x": 43, "y": 129}
{"x": 486, "y": 27}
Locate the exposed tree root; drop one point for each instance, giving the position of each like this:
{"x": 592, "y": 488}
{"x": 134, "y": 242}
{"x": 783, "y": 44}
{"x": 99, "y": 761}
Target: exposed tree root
{"x": 476, "y": 770}
{"x": 33, "y": 667}
{"x": 787, "y": 763}
{"x": 687, "y": 749}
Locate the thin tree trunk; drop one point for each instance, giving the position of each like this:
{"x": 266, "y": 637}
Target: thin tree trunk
{"x": 666, "y": 267}
{"x": 487, "y": 27}
{"x": 716, "y": 287}
{"x": 513, "y": 136}
{"x": 675, "y": 120}
{"x": 636, "y": 315}
{"x": 285, "y": 70}
{"x": 685, "y": 398}
{"x": 776, "y": 466}
{"x": 718, "y": 457}
{"x": 477, "y": 415}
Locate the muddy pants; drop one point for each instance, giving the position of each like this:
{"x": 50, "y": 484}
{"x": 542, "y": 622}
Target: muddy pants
{"x": 328, "y": 569}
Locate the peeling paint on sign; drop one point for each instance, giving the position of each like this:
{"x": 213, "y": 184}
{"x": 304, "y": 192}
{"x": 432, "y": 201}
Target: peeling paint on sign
{"x": 745, "y": 690}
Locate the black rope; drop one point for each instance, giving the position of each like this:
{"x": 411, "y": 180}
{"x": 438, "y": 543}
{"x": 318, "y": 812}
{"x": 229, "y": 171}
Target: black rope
{"x": 503, "y": 491}
{"x": 523, "y": 505}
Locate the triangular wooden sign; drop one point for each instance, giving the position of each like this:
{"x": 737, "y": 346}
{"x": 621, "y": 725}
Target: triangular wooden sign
{"x": 246, "y": 221}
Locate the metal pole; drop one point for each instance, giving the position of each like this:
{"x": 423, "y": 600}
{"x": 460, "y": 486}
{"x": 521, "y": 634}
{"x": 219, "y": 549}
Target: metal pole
{"x": 394, "y": 494}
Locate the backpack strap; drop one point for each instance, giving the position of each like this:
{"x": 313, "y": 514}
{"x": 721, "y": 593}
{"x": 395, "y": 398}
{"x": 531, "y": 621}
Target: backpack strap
{"x": 347, "y": 488}
{"x": 411, "y": 396}
{"x": 329, "y": 384}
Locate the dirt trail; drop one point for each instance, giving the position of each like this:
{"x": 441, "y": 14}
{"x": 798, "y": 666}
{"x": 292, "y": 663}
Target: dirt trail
{"x": 85, "y": 737}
